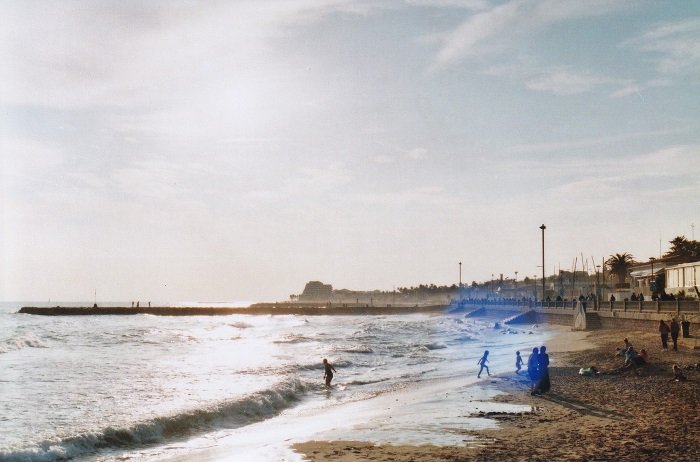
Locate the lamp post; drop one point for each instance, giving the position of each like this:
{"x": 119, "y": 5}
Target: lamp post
{"x": 543, "y": 227}
{"x": 652, "y": 281}
{"x": 460, "y": 275}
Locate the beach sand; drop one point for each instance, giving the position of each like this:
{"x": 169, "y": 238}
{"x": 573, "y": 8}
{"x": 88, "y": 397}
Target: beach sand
{"x": 608, "y": 417}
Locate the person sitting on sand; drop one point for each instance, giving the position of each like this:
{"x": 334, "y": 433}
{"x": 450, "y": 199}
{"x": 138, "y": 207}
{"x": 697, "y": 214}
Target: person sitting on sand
{"x": 678, "y": 375}
{"x": 644, "y": 355}
{"x": 328, "y": 372}
{"x": 482, "y": 362}
{"x": 626, "y": 343}
{"x": 518, "y": 362}
{"x": 625, "y": 346}
{"x": 629, "y": 355}
{"x": 634, "y": 361}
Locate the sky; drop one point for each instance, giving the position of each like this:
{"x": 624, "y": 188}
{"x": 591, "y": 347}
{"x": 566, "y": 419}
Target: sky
{"x": 234, "y": 150}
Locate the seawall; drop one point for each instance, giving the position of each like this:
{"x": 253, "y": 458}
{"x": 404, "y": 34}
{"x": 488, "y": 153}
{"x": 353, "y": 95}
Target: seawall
{"x": 622, "y": 320}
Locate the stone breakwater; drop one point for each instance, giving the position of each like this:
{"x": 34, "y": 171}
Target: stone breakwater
{"x": 256, "y": 309}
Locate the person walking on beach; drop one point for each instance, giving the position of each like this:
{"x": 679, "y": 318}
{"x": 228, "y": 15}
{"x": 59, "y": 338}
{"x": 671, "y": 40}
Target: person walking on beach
{"x": 328, "y": 372}
{"x": 532, "y": 368}
{"x": 518, "y": 362}
{"x": 543, "y": 385}
{"x": 664, "y": 330}
{"x": 675, "y": 329}
{"x": 482, "y": 362}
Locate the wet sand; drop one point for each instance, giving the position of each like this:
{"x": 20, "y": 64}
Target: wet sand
{"x": 609, "y": 417}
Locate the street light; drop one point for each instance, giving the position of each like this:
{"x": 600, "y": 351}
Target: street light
{"x": 652, "y": 281}
{"x": 543, "y": 227}
{"x": 460, "y": 275}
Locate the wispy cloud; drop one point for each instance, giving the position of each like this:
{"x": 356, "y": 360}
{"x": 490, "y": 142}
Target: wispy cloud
{"x": 675, "y": 46}
{"x": 549, "y": 147}
{"x": 475, "y": 5}
{"x": 501, "y": 26}
{"x": 563, "y": 81}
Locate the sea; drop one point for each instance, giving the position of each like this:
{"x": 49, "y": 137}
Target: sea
{"x": 243, "y": 387}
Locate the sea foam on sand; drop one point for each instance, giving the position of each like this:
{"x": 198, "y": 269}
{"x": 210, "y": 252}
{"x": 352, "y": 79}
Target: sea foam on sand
{"x": 435, "y": 412}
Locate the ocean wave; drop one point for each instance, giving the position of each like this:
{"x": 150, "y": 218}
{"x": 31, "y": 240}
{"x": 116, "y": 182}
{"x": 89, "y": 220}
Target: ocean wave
{"x": 366, "y": 382}
{"x": 20, "y": 342}
{"x": 241, "y": 325}
{"x": 357, "y": 349}
{"x": 293, "y": 338}
{"x": 256, "y": 407}
{"x": 435, "y": 346}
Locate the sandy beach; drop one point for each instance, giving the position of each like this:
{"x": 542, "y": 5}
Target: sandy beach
{"x": 608, "y": 417}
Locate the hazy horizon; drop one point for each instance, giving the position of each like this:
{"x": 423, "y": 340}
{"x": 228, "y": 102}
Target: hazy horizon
{"x": 228, "y": 151}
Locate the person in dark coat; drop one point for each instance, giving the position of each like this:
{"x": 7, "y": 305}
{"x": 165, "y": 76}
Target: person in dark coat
{"x": 532, "y": 368}
{"x": 675, "y": 329}
{"x": 663, "y": 331}
{"x": 543, "y": 385}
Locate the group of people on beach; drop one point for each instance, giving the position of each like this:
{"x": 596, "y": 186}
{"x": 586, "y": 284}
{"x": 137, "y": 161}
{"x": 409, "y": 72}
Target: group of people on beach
{"x": 637, "y": 359}
{"x": 633, "y": 359}
{"x": 537, "y": 368}
{"x": 672, "y": 328}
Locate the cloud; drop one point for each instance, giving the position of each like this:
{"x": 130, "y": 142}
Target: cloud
{"x": 417, "y": 153}
{"x": 73, "y": 54}
{"x": 561, "y": 146}
{"x": 475, "y": 5}
{"x": 500, "y": 27}
{"x": 565, "y": 82}
{"x": 631, "y": 89}
{"x": 384, "y": 159}
{"x": 317, "y": 180}
{"x": 675, "y": 46}
{"x": 430, "y": 196}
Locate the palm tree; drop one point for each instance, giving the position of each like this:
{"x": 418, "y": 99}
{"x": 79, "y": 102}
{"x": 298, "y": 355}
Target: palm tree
{"x": 619, "y": 264}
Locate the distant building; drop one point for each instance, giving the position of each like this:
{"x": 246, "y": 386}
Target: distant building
{"x": 316, "y": 291}
{"x": 683, "y": 278}
{"x": 645, "y": 276}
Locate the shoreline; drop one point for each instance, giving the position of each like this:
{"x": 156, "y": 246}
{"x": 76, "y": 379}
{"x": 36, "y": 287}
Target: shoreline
{"x": 618, "y": 417}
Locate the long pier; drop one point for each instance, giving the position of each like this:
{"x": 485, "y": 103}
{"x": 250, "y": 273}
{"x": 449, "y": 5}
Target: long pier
{"x": 256, "y": 309}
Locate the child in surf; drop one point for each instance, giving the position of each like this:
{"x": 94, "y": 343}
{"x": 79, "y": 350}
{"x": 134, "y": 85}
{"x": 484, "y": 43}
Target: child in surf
{"x": 482, "y": 362}
{"x": 328, "y": 372}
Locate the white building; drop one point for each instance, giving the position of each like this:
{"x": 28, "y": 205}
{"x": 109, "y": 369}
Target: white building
{"x": 683, "y": 278}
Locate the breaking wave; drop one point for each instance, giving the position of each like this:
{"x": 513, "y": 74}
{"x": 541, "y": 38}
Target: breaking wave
{"x": 19, "y": 342}
{"x": 256, "y": 407}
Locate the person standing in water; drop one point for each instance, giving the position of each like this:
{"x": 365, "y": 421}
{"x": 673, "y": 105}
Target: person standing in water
{"x": 328, "y": 372}
{"x": 533, "y": 368}
{"x": 482, "y": 362}
{"x": 518, "y": 362}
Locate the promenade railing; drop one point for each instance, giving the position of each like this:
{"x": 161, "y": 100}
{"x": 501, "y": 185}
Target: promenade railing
{"x": 647, "y": 306}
